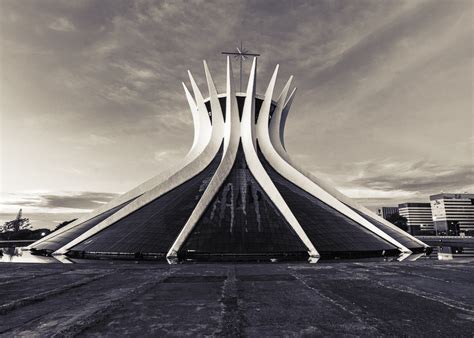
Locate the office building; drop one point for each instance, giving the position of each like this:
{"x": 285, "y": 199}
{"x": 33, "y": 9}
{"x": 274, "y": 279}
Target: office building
{"x": 386, "y": 212}
{"x": 418, "y": 217}
{"x": 453, "y": 214}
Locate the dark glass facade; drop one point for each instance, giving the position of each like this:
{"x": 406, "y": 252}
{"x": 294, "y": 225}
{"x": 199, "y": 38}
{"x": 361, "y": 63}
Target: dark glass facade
{"x": 56, "y": 242}
{"x": 240, "y": 223}
{"x": 404, "y": 240}
{"x": 242, "y": 220}
{"x": 240, "y": 105}
{"x": 414, "y": 205}
{"x": 222, "y": 101}
{"x": 153, "y": 228}
{"x": 332, "y": 233}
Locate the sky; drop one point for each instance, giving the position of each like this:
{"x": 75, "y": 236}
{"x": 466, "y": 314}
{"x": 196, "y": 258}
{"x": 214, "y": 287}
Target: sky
{"x": 92, "y": 105}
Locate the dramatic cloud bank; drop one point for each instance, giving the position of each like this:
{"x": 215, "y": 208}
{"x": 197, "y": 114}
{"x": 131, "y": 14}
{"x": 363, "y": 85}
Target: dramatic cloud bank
{"x": 91, "y": 98}
{"x": 46, "y": 209}
{"x": 86, "y": 201}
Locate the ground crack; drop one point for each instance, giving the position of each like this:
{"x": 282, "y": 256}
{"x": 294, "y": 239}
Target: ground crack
{"x": 100, "y": 312}
{"x": 231, "y": 316}
{"x": 5, "y": 308}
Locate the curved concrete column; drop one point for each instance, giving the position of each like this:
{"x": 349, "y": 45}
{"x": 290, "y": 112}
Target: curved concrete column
{"x": 202, "y": 132}
{"x": 212, "y": 133}
{"x": 206, "y": 147}
{"x": 277, "y": 125}
{"x": 276, "y": 137}
{"x": 293, "y": 175}
{"x": 353, "y": 204}
{"x": 231, "y": 144}
{"x": 256, "y": 168}
{"x": 199, "y": 119}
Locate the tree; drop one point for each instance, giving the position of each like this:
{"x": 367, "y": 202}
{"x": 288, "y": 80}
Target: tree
{"x": 16, "y": 225}
{"x": 63, "y": 224}
{"x": 399, "y": 221}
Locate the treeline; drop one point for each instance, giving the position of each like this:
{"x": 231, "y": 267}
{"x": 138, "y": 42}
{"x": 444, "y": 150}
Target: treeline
{"x": 19, "y": 229}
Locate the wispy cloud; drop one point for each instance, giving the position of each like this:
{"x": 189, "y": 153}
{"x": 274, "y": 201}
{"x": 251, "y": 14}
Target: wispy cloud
{"x": 45, "y": 209}
{"x": 92, "y": 97}
{"x": 65, "y": 202}
{"x": 422, "y": 177}
{"x": 62, "y": 25}
{"x": 396, "y": 182}
{"x": 41, "y": 220}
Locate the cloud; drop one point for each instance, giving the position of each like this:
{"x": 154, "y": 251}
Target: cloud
{"x": 389, "y": 182}
{"x": 136, "y": 72}
{"x": 64, "y": 202}
{"x": 383, "y": 86}
{"x": 368, "y": 193}
{"x": 89, "y": 140}
{"x": 45, "y": 209}
{"x": 422, "y": 177}
{"x": 82, "y": 200}
{"x": 42, "y": 220}
{"x": 98, "y": 140}
{"x": 165, "y": 156}
{"x": 62, "y": 25}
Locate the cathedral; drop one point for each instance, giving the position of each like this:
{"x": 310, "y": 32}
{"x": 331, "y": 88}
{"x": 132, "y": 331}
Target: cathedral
{"x": 236, "y": 196}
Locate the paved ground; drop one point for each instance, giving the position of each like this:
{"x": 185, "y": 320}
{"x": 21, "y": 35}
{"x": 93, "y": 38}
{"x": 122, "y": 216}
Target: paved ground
{"x": 423, "y": 298}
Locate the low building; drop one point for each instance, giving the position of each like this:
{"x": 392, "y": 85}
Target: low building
{"x": 418, "y": 215}
{"x": 453, "y": 214}
{"x": 386, "y": 212}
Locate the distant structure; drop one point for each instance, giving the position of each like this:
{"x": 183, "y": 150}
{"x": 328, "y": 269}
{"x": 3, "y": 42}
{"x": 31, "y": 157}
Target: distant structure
{"x": 386, "y": 212}
{"x": 237, "y": 195}
{"x": 453, "y": 214}
{"x": 19, "y": 223}
{"x": 418, "y": 216}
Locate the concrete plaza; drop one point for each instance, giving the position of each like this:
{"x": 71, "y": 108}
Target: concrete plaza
{"x": 422, "y": 298}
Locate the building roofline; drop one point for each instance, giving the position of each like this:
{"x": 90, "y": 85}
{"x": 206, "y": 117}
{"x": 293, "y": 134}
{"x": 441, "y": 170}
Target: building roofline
{"x": 414, "y": 205}
{"x": 451, "y": 196}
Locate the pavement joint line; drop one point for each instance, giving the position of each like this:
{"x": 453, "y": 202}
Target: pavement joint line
{"x": 440, "y": 299}
{"x": 32, "y": 320}
{"x": 5, "y": 308}
{"x": 231, "y": 317}
{"x": 22, "y": 279}
{"x": 341, "y": 306}
{"x": 457, "y": 322}
{"x": 78, "y": 324}
{"x": 411, "y": 273}
{"x": 437, "y": 267}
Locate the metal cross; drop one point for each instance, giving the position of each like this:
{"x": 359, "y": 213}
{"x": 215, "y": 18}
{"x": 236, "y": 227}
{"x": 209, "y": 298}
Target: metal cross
{"x": 241, "y": 54}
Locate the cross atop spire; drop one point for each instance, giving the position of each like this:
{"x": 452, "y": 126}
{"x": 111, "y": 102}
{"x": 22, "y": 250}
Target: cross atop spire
{"x": 241, "y": 54}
